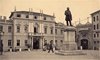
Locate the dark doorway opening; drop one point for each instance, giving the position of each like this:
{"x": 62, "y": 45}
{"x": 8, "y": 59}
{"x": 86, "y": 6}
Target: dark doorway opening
{"x": 84, "y": 44}
{"x": 36, "y": 43}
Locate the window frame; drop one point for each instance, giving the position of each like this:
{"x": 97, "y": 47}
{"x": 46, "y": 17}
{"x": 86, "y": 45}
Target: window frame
{"x": 9, "y": 29}
{"x": 1, "y": 27}
{"x": 18, "y": 42}
{"x": 27, "y": 16}
{"x": 18, "y": 15}
{"x": 9, "y": 43}
{"x": 18, "y": 29}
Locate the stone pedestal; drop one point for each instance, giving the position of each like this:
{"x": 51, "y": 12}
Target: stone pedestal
{"x": 69, "y": 38}
{"x": 69, "y": 46}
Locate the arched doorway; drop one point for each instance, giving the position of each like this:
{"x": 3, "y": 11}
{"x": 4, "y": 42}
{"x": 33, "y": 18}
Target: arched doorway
{"x": 84, "y": 44}
{"x": 36, "y": 43}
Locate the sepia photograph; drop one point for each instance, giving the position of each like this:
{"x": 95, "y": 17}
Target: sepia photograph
{"x": 49, "y": 29}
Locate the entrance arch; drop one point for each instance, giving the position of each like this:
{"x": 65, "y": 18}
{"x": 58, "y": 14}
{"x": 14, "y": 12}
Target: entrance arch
{"x": 84, "y": 44}
{"x": 36, "y": 43}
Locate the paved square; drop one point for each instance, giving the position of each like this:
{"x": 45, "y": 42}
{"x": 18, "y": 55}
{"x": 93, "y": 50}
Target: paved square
{"x": 43, "y": 55}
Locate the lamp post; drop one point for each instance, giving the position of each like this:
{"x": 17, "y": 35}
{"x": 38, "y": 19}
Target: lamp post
{"x": 42, "y": 39}
{"x": 1, "y": 45}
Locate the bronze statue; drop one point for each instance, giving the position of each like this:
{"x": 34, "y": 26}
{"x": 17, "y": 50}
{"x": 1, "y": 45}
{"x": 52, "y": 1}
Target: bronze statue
{"x": 68, "y": 17}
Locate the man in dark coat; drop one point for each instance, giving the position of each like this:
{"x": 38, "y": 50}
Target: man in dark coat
{"x": 68, "y": 17}
{"x": 1, "y": 48}
{"x": 51, "y": 46}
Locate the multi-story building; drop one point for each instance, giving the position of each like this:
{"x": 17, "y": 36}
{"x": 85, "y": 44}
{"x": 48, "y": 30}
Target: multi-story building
{"x": 96, "y": 28}
{"x": 30, "y": 29}
{"x": 84, "y": 36}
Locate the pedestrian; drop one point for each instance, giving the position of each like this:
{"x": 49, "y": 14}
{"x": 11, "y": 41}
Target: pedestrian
{"x": 45, "y": 45}
{"x": 51, "y": 46}
{"x": 1, "y": 48}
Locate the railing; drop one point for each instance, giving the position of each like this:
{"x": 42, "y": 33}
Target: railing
{"x": 35, "y": 34}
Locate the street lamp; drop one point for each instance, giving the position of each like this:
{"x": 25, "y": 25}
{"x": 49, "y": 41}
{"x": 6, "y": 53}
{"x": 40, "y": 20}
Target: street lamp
{"x": 42, "y": 39}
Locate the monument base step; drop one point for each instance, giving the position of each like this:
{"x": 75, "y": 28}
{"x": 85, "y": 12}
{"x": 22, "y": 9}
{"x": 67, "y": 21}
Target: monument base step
{"x": 70, "y": 52}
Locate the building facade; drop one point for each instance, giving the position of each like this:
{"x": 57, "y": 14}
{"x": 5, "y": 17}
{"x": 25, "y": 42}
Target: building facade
{"x": 96, "y": 29}
{"x": 30, "y": 29}
{"x": 84, "y": 36}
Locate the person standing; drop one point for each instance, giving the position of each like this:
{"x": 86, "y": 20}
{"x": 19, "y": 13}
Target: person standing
{"x": 1, "y": 48}
{"x": 51, "y": 47}
{"x": 68, "y": 17}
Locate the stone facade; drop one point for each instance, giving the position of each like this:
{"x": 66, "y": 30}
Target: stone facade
{"x": 84, "y": 37}
{"x": 96, "y": 29}
{"x": 30, "y": 29}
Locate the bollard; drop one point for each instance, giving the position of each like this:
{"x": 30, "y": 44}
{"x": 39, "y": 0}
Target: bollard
{"x": 10, "y": 50}
{"x": 81, "y": 47}
{"x": 20, "y": 49}
{"x": 28, "y": 49}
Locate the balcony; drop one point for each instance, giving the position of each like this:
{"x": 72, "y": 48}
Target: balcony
{"x": 35, "y": 34}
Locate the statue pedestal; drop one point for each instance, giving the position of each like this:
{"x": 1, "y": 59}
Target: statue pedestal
{"x": 69, "y": 38}
{"x": 69, "y": 46}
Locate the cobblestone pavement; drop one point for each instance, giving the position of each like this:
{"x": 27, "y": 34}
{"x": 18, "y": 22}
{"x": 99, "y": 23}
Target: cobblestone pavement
{"x": 43, "y": 55}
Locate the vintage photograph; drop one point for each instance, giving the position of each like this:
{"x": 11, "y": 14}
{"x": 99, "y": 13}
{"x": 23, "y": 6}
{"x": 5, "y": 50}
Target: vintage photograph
{"x": 49, "y": 29}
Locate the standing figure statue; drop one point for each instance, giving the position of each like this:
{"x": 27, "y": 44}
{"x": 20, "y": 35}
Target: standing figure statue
{"x": 68, "y": 17}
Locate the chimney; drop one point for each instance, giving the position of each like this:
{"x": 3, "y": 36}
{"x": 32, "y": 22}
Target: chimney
{"x": 0, "y": 17}
{"x": 4, "y": 18}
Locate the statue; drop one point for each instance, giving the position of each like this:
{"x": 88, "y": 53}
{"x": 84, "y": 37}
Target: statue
{"x": 68, "y": 17}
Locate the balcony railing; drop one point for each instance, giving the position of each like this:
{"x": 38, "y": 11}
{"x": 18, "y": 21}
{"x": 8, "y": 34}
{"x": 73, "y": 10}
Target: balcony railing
{"x": 35, "y": 34}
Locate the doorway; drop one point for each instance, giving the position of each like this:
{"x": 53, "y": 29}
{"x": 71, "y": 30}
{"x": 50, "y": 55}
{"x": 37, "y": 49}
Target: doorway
{"x": 36, "y": 43}
{"x": 84, "y": 44}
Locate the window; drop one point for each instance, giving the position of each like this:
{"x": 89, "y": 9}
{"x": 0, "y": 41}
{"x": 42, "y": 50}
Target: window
{"x": 94, "y": 19}
{"x": 45, "y": 30}
{"x": 27, "y": 16}
{"x": 55, "y": 31}
{"x": 9, "y": 43}
{"x": 52, "y": 30}
{"x": 94, "y": 35}
{"x": 35, "y": 17}
{"x": 55, "y": 41}
{"x": 61, "y": 41}
{"x": 1, "y": 28}
{"x": 18, "y": 15}
{"x": 94, "y": 42}
{"x": 18, "y": 29}
{"x": 35, "y": 30}
{"x": 94, "y": 27}
{"x": 9, "y": 28}
{"x": 25, "y": 42}
{"x": 97, "y": 18}
{"x": 44, "y": 18}
{"x": 61, "y": 31}
{"x": 97, "y": 34}
{"x": 97, "y": 26}
{"x": 98, "y": 42}
{"x": 26, "y": 28}
{"x": 18, "y": 42}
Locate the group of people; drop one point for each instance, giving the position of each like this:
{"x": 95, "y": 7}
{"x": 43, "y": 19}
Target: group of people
{"x": 1, "y": 48}
{"x": 49, "y": 47}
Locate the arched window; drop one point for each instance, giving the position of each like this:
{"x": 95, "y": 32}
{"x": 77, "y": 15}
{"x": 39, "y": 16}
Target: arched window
{"x": 36, "y": 28}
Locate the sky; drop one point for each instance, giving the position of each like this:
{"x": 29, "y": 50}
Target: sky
{"x": 81, "y": 9}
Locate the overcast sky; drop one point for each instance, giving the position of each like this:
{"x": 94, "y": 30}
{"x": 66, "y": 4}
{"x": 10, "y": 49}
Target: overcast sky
{"x": 79, "y": 8}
